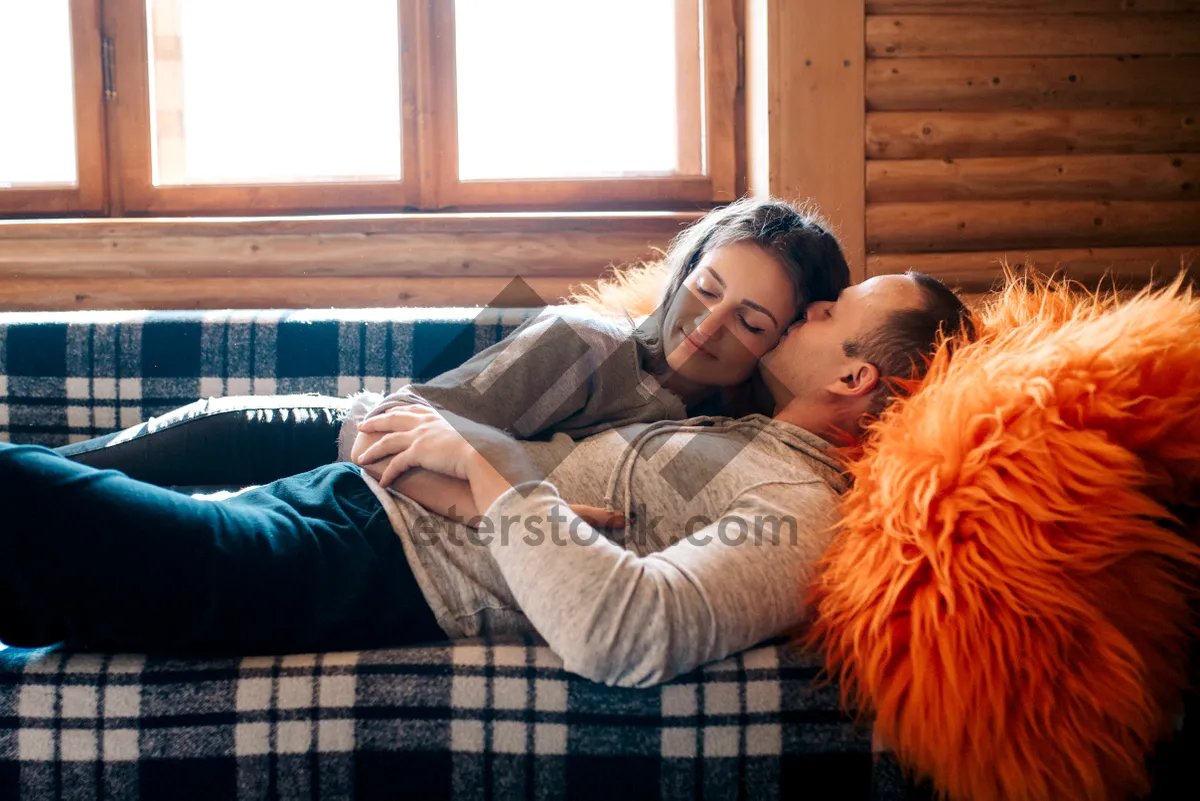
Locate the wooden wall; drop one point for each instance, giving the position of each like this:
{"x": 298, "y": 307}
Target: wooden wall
{"x": 1050, "y": 132}
{"x": 323, "y": 261}
{"x": 804, "y": 107}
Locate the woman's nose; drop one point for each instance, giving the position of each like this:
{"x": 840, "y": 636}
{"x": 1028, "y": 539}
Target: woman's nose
{"x": 709, "y": 323}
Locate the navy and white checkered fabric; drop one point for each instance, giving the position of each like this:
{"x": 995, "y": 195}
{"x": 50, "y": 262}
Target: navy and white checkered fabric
{"x": 474, "y": 719}
{"x": 74, "y": 375}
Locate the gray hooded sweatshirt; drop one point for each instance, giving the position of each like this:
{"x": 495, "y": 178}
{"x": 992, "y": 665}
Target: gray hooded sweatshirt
{"x": 727, "y": 518}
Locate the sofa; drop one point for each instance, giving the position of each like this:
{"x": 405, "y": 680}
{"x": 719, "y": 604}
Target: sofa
{"x": 472, "y": 719}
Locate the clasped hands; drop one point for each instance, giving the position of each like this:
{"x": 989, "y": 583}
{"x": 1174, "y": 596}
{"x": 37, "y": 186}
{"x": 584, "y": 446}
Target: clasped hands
{"x": 418, "y": 436}
{"x": 490, "y": 461}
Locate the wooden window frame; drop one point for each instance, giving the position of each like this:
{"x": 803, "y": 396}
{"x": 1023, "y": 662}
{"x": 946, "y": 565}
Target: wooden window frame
{"x": 89, "y": 195}
{"x": 429, "y": 133}
{"x": 127, "y": 24}
{"x": 441, "y": 187}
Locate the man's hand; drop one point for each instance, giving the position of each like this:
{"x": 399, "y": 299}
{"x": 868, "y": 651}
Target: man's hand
{"x": 362, "y": 441}
{"x": 415, "y": 436}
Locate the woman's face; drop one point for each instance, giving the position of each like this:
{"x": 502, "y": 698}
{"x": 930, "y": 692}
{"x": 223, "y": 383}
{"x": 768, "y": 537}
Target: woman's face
{"x": 730, "y": 311}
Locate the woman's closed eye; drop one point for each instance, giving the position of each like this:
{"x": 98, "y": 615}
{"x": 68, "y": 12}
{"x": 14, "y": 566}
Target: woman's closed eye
{"x": 753, "y": 329}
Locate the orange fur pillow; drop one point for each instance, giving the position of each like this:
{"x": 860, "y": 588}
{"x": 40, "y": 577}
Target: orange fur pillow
{"x": 1009, "y": 592}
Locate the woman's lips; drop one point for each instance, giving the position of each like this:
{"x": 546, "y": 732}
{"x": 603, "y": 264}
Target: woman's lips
{"x": 696, "y": 346}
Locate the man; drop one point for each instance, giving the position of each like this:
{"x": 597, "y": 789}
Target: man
{"x": 726, "y": 518}
{"x": 729, "y": 515}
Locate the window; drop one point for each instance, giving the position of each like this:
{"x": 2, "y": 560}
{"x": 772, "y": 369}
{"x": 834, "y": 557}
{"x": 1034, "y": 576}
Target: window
{"x": 281, "y": 106}
{"x": 52, "y": 139}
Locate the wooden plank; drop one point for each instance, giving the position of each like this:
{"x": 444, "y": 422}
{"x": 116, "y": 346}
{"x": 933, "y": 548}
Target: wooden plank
{"x": 425, "y": 255}
{"x": 667, "y": 192}
{"x": 979, "y": 270}
{"x": 997, "y": 224}
{"x": 722, "y": 98}
{"x": 32, "y": 202}
{"x": 1129, "y": 7}
{"x": 410, "y": 19}
{"x": 437, "y": 102}
{"x": 114, "y": 21}
{"x": 922, "y": 134}
{"x": 130, "y": 154}
{"x": 974, "y": 84}
{"x": 544, "y": 224}
{"x": 1163, "y": 176}
{"x": 940, "y": 36}
{"x": 689, "y": 88}
{"x": 45, "y": 294}
{"x": 89, "y": 106}
{"x": 811, "y": 56}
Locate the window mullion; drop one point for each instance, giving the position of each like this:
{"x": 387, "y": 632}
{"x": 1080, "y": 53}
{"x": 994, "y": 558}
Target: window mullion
{"x": 128, "y": 110}
{"x": 689, "y": 87}
{"x": 437, "y": 105}
{"x": 89, "y": 105}
{"x": 722, "y": 29}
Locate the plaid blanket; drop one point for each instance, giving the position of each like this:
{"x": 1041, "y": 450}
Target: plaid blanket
{"x": 473, "y": 719}
{"x": 68, "y": 376}
{"x": 470, "y": 720}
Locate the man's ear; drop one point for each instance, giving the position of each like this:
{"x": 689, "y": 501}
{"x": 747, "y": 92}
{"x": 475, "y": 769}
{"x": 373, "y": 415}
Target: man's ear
{"x": 856, "y": 379}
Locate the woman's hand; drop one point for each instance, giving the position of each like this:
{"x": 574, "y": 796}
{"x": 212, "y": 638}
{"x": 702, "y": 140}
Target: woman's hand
{"x": 417, "y": 436}
{"x": 364, "y": 440}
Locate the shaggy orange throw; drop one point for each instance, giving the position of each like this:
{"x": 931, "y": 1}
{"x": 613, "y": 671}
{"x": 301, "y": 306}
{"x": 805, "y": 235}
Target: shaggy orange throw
{"x": 1009, "y": 592}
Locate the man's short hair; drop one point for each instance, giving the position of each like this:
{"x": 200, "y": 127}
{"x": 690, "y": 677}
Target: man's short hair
{"x": 901, "y": 345}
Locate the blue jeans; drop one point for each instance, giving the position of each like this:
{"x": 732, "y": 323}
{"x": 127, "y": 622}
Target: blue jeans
{"x": 96, "y": 560}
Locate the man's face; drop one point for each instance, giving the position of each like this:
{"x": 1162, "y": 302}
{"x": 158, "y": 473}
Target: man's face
{"x": 811, "y": 356}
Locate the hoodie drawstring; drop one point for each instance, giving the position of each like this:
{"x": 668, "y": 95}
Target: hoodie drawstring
{"x": 622, "y": 473}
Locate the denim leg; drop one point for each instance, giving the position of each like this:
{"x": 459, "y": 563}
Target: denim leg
{"x": 98, "y": 560}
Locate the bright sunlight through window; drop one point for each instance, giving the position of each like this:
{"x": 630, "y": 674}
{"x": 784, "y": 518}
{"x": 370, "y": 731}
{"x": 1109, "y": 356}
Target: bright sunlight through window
{"x": 35, "y": 44}
{"x": 566, "y": 89}
{"x": 261, "y": 91}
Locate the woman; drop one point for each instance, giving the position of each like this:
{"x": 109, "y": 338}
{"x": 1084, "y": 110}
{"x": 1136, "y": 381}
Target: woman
{"x": 277, "y": 436}
{"x": 96, "y": 559}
